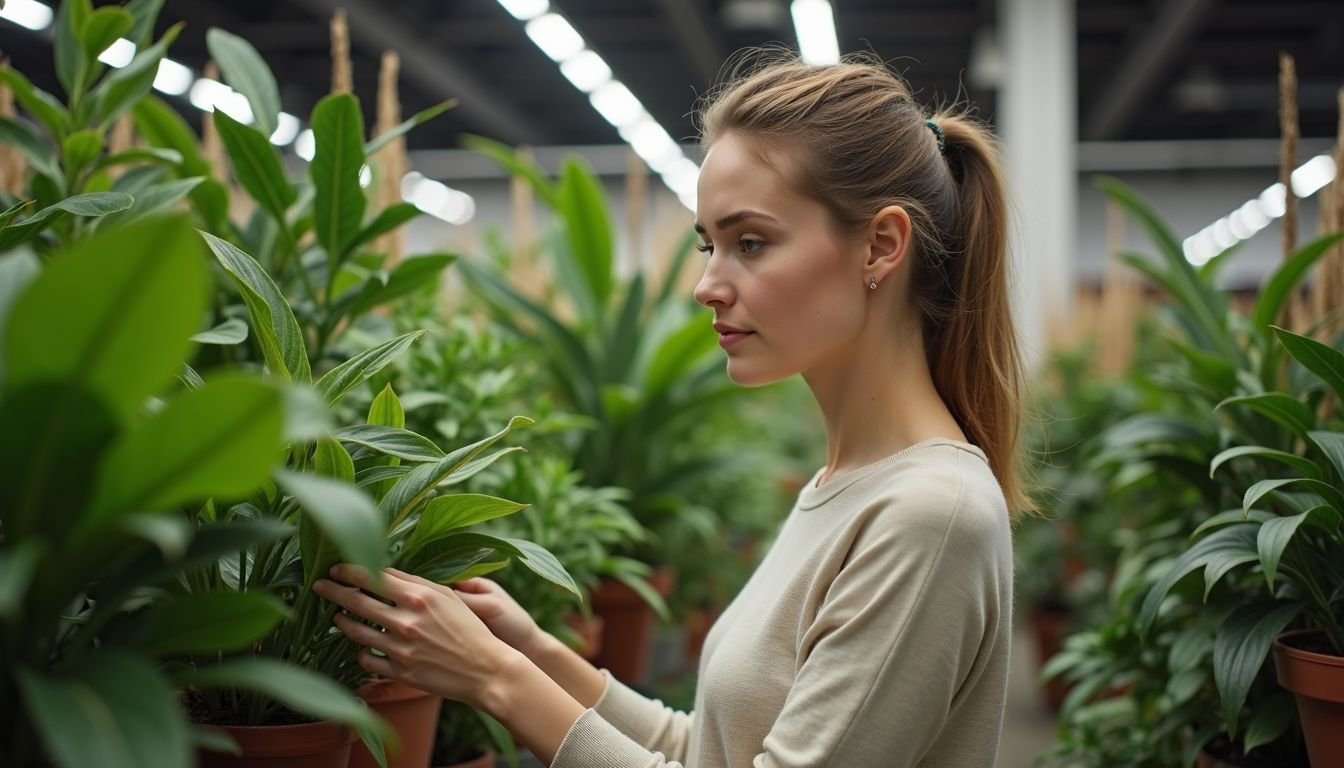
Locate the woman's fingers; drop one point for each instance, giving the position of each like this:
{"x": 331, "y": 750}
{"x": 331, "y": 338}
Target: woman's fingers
{"x": 392, "y": 589}
{"x": 377, "y": 665}
{"x": 354, "y": 601}
{"x": 362, "y": 634}
{"x": 475, "y": 585}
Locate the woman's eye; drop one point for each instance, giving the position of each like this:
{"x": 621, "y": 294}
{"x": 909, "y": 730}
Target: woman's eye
{"x": 749, "y": 245}
{"x": 704, "y": 247}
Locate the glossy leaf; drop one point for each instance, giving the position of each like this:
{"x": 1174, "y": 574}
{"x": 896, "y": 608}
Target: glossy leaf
{"x": 209, "y": 622}
{"x": 272, "y": 318}
{"x": 446, "y": 514}
{"x": 423, "y": 116}
{"x": 81, "y": 148}
{"x": 300, "y": 689}
{"x": 257, "y": 164}
{"x": 584, "y": 212}
{"x": 19, "y": 137}
{"x": 338, "y": 208}
{"x": 37, "y": 102}
{"x": 407, "y": 277}
{"x": 1303, "y": 465}
{"x": 345, "y": 514}
{"x": 358, "y": 369}
{"x": 1321, "y": 359}
{"x": 1279, "y": 288}
{"x": 1240, "y": 648}
{"x": 1326, "y": 491}
{"x": 1274, "y": 537}
{"x": 391, "y": 441}
{"x": 71, "y": 64}
{"x": 220, "y": 440}
{"x": 1285, "y": 410}
{"x": 124, "y": 87}
{"x": 231, "y": 331}
{"x": 386, "y": 411}
{"x": 156, "y": 199}
{"x": 1332, "y": 445}
{"x": 102, "y": 28}
{"x": 88, "y": 204}
{"x": 543, "y": 563}
{"x": 1230, "y": 543}
{"x": 247, "y": 73}
{"x": 112, "y": 710}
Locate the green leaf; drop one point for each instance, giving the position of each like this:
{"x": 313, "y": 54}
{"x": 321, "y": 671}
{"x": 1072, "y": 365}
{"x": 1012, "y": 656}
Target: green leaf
{"x": 1285, "y": 410}
{"x": 156, "y": 199}
{"x": 145, "y": 13}
{"x": 273, "y": 323}
{"x": 1276, "y": 533}
{"x": 338, "y": 129}
{"x": 1239, "y": 650}
{"x": 124, "y": 87}
{"x": 140, "y": 293}
{"x": 543, "y": 563}
{"x": 231, "y": 331}
{"x": 1332, "y": 445}
{"x": 319, "y": 551}
{"x": 220, "y": 440}
{"x": 102, "y": 28}
{"x": 1330, "y": 493}
{"x": 679, "y": 351}
{"x": 387, "y": 220}
{"x": 391, "y": 441}
{"x": 386, "y": 411}
{"x": 111, "y": 710}
{"x": 358, "y": 369}
{"x": 247, "y": 73}
{"x": 300, "y": 689}
{"x": 423, "y": 116}
{"x": 210, "y": 622}
{"x": 17, "y": 566}
{"x": 81, "y": 148}
{"x": 584, "y": 211}
{"x": 88, "y": 204}
{"x": 40, "y": 104}
{"x": 330, "y": 459}
{"x": 345, "y": 514}
{"x": 1237, "y": 541}
{"x": 1231, "y": 517}
{"x": 1280, "y": 286}
{"x": 1303, "y": 465}
{"x": 1270, "y": 721}
{"x": 257, "y": 164}
{"x": 1323, "y": 360}
{"x": 71, "y": 63}
{"x": 40, "y": 155}
{"x": 136, "y": 155}
{"x": 515, "y": 164}
{"x": 446, "y": 514}
{"x": 16, "y": 272}
{"x": 407, "y": 277}
{"x": 163, "y": 127}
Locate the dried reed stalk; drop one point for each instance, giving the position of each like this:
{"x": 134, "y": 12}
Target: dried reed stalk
{"x": 13, "y": 165}
{"x": 1288, "y": 127}
{"x": 636, "y": 199}
{"x": 1328, "y": 307}
{"x": 1120, "y": 298}
{"x": 390, "y": 162}
{"x": 342, "y": 81}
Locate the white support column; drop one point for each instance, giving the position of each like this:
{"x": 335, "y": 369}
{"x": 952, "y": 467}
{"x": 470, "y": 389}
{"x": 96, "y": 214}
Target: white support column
{"x": 1038, "y": 119}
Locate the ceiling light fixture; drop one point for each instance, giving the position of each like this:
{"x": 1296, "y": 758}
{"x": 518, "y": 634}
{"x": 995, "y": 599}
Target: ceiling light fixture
{"x": 173, "y": 78}
{"x": 118, "y": 54}
{"x": 814, "y": 23}
{"x": 27, "y": 13}
{"x": 554, "y": 36}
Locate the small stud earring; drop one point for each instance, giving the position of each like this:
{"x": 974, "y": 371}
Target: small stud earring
{"x": 872, "y": 283}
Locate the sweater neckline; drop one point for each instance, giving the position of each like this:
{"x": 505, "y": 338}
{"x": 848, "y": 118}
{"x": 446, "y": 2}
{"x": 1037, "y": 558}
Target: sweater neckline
{"x": 811, "y": 496}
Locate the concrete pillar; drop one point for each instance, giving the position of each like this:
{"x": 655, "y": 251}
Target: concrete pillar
{"x": 1038, "y": 117}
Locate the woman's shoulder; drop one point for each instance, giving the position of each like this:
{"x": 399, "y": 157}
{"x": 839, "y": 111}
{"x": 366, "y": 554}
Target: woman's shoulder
{"x": 946, "y": 487}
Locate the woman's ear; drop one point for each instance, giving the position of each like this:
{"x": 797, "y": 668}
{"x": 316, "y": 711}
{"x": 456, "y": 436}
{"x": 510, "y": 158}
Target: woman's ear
{"x": 888, "y": 241}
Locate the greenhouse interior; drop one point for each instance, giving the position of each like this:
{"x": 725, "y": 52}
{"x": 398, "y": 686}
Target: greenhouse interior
{"x": 672, "y": 383}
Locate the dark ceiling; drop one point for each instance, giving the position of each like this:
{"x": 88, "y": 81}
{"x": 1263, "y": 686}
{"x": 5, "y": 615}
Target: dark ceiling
{"x": 1147, "y": 69}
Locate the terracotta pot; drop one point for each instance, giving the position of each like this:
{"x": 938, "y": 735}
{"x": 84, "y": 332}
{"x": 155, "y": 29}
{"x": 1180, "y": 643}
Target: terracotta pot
{"x": 590, "y": 632}
{"x": 1317, "y": 682}
{"x": 1048, "y": 627}
{"x": 1205, "y": 760}
{"x": 306, "y": 745}
{"x": 486, "y": 760}
{"x": 627, "y": 626}
{"x": 413, "y": 714}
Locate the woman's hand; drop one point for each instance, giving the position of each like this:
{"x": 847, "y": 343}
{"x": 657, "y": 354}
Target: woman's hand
{"x": 430, "y": 638}
{"x": 502, "y": 614}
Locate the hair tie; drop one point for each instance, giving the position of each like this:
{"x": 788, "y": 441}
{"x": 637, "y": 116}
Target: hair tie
{"x": 942, "y": 141}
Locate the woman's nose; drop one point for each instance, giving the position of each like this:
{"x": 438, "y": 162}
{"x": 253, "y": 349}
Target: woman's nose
{"x": 713, "y": 288}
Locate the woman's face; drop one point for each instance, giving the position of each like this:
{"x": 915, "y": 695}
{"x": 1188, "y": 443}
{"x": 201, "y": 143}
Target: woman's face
{"x": 775, "y": 268}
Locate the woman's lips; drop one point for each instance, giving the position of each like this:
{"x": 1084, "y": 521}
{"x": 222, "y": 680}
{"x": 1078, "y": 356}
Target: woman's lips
{"x": 731, "y": 338}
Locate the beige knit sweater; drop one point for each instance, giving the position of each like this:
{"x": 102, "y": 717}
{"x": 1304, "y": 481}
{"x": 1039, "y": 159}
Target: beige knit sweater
{"x": 874, "y": 633}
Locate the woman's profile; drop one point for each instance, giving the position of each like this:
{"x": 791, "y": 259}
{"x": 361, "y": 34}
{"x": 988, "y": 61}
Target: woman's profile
{"x": 854, "y": 239}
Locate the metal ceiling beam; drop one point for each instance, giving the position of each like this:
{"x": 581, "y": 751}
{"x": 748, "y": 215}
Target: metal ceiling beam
{"x": 430, "y": 69}
{"x": 1146, "y": 59}
{"x": 698, "y": 35}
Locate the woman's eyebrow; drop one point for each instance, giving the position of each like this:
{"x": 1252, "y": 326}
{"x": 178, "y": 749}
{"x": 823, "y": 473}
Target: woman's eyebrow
{"x": 734, "y": 218}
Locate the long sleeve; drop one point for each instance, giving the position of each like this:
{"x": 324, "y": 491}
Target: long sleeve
{"x": 875, "y": 633}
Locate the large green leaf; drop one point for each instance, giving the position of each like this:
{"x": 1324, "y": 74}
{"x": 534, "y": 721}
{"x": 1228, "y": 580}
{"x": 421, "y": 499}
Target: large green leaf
{"x": 418, "y": 118}
{"x": 257, "y": 164}
{"x": 87, "y": 204}
{"x": 1326, "y": 491}
{"x": 516, "y": 165}
{"x": 40, "y": 104}
{"x": 220, "y": 440}
{"x": 319, "y": 552}
{"x": 1239, "y": 650}
{"x": 391, "y": 441}
{"x": 209, "y": 622}
{"x": 19, "y": 137}
{"x": 145, "y": 13}
{"x": 162, "y": 126}
{"x": 588, "y": 227}
{"x": 71, "y": 64}
{"x": 272, "y": 318}
{"x": 1276, "y": 533}
{"x": 300, "y": 689}
{"x": 345, "y": 514}
{"x": 124, "y": 87}
{"x": 388, "y": 219}
{"x": 247, "y": 73}
{"x": 361, "y": 367}
{"x": 543, "y": 563}
{"x": 1321, "y": 359}
{"x": 112, "y": 710}
{"x": 1303, "y": 465}
{"x": 1280, "y": 286}
{"x": 156, "y": 199}
{"x": 1233, "y": 543}
{"x": 230, "y": 332}
{"x": 678, "y": 353}
{"x": 407, "y": 277}
{"x": 446, "y": 514}
{"x": 1332, "y": 445}
{"x": 79, "y": 149}
{"x": 115, "y": 312}
{"x": 338, "y": 208}
{"x": 102, "y": 29}
{"x": 17, "y": 566}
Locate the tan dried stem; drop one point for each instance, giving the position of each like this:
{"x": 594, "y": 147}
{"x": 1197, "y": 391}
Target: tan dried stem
{"x": 342, "y": 80}
{"x": 13, "y": 166}
{"x": 1329, "y": 292}
{"x": 390, "y": 161}
{"x": 1288, "y": 127}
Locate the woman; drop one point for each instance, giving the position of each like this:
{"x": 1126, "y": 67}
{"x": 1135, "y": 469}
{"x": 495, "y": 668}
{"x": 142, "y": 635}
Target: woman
{"x": 852, "y": 239}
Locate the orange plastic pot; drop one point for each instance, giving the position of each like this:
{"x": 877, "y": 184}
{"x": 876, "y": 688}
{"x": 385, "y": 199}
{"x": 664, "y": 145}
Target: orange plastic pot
{"x": 413, "y": 715}
{"x": 306, "y": 745}
{"x": 1317, "y": 682}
